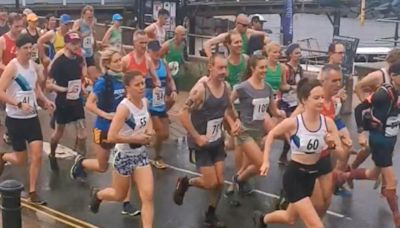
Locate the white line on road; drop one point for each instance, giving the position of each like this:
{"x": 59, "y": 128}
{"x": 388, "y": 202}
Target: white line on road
{"x": 256, "y": 190}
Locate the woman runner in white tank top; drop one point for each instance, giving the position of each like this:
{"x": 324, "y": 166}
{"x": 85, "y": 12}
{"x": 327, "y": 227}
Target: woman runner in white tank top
{"x": 131, "y": 129}
{"x": 310, "y": 134}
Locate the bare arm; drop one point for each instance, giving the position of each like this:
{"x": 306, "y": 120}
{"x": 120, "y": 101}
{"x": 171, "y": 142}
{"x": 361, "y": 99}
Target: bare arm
{"x": 47, "y": 37}
{"x": 76, "y": 25}
{"x": 371, "y": 82}
{"x": 253, "y": 32}
{"x": 193, "y": 102}
{"x": 152, "y": 72}
{"x": 106, "y": 39}
{"x": 298, "y": 110}
{"x": 213, "y": 41}
{"x": 91, "y": 105}
{"x": 334, "y": 136}
{"x": 5, "y": 80}
{"x": 169, "y": 77}
{"x": 2, "y": 47}
{"x": 284, "y": 85}
{"x": 150, "y": 30}
{"x": 164, "y": 49}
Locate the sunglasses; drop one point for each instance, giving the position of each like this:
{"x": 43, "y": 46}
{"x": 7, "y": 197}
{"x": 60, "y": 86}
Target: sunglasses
{"x": 244, "y": 25}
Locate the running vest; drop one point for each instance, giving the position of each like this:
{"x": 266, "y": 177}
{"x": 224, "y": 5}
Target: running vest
{"x": 9, "y": 51}
{"x": 208, "y": 119}
{"x": 156, "y": 96}
{"x": 235, "y": 72}
{"x": 160, "y": 34}
{"x": 305, "y": 141}
{"x": 254, "y": 104}
{"x": 333, "y": 109}
{"x": 116, "y": 39}
{"x": 385, "y": 76}
{"x": 134, "y": 66}
{"x": 34, "y": 38}
{"x": 293, "y": 77}
{"x": 274, "y": 77}
{"x": 134, "y": 124}
{"x": 87, "y": 38}
{"x": 245, "y": 41}
{"x": 58, "y": 41}
{"x": 23, "y": 89}
{"x": 174, "y": 54}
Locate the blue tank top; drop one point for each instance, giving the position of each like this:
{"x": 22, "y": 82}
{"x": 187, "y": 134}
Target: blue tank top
{"x": 87, "y": 38}
{"x": 156, "y": 96}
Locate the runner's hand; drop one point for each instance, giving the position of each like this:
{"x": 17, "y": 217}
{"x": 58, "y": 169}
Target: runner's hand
{"x": 346, "y": 141}
{"x": 342, "y": 94}
{"x": 144, "y": 138}
{"x": 201, "y": 140}
{"x": 49, "y": 106}
{"x": 157, "y": 83}
{"x": 173, "y": 95}
{"x": 282, "y": 114}
{"x": 46, "y": 61}
{"x": 26, "y": 107}
{"x": 109, "y": 115}
{"x": 329, "y": 140}
{"x": 150, "y": 132}
{"x": 264, "y": 168}
{"x": 362, "y": 140}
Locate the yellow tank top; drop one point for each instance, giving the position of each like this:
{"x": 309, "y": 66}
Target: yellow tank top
{"x": 58, "y": 42}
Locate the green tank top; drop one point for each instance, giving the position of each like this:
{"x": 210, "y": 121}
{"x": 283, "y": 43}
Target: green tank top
{"x": 174, "y": 54}
{"x": 235, "y": 72}
{"x": 274, "y": 77}
{"x": 244, "y": 43}
{"x": 116, "y": 38}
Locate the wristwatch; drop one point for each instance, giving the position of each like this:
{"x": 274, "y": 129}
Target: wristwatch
{"x": 19, "y": 105}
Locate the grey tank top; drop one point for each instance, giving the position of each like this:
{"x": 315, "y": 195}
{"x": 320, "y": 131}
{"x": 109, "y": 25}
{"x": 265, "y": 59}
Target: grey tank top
{"x": 254, "y": 104}
{"x": 208, "y": 119}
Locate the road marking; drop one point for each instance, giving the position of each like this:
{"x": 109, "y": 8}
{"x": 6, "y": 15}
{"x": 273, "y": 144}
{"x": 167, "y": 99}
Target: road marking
{"x": 271, "y": 195}
{"x": 57, "y": 215}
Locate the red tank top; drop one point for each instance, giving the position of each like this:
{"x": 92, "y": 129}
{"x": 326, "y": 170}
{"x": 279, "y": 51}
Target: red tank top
{"x": 9, "y": 51}
{"x": 329, "y": 111}
{"x": 134, "y": 66}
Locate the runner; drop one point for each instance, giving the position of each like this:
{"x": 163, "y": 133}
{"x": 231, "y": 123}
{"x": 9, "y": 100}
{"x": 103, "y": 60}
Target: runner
{"x": 288, "y": 101}
{"x": 257, "y": 22}
{"x": 156, "y": 30}
{"x": 383, "y": 126}
{"x": 85, "y": 27}
{"x": 241, "y": 26}
{"x": 202, "y": 116}
{"x": 256, "y": 100}
{"x": 113, "y": 36}
{"x": 66, "y": 71}
{"x": 24, "y": 15}
{"x": 33, "y": 31}
{"x": 4, "y": 28}
{"x": 311, "y": 134}
{"x": 157, "y": 102}
{"x": 19, "y": 89}
{"x": 50, "y": 24}
{"x": 7, "y": 41}
{"x": 173, "y": 51}
{"x": 108, "y": 92}
{"x": 276, "y": 71}
{"x": 131, "y": 129}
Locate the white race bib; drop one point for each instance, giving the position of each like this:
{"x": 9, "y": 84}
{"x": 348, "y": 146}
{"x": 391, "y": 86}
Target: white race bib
{"x": 27, "y": 97}
{"x": 260, "y": 108}
{"x": 74, "y": 89}
{"x": 392, "y": 126}
{"x": 158, "y": 97}
{"x": 34, "y": 53}
{"x": 214, "y": 129}
{"x": 311, "y": 143}
{"x": 173, "y": 67}
{"x": 87, "y": 42}
{"x": 290, "y": 97}
{"x": 141, "y": 122}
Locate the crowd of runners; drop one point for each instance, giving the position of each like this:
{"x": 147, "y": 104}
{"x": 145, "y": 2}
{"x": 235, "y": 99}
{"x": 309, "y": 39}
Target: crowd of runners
{"x": 248, "y": 99}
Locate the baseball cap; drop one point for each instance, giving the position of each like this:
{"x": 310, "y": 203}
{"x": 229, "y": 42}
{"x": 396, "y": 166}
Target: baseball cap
{"x": 258, "y": 18}
{"x": 27, "y": 11}
{"x": 117, "y": 17}
{"x": 154, "y": 45}
{"x": 32, "y": 17}
{"x": 65, "y": 19}
{"x": 71, "y": 37}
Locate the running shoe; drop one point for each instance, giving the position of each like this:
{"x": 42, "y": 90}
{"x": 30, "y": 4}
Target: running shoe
{"x": 245, "y": 188}
{"x": 258, "y": 219}
{"x": 230, "y": 191}
{"x": 342, "y": 191}
{"x": 182, "y": 186}
{"x": 35, "y": 198}
{"x": 128, "y": 209}
{"x": 211, "y": 220}
{"x": 6, "y": 138}
{"x": 94, "y": 201}
{"x": 53, "y": 163}
{"x": 77, "y": 172}
{"x": 159, "y": 164}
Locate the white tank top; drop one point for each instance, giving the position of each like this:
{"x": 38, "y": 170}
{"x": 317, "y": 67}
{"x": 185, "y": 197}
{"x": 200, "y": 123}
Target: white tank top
{"x": 160, "y": 34}
{"x": 305, "y": 141}
{"x": 23, "y": 89}
{"x": 386, "y": 77}
{"x": 138, "y": 119}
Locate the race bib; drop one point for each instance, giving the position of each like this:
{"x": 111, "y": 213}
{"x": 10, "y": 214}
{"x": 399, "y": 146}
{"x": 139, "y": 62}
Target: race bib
{"x": 27, "y": 97}
{"x": 214, "y": 129}
{"x": 158, "y": 97}
{"x": 87, "y": 42}
{"x": 311, "y": 144}
{"x": 34, "y": 53}
{"x": 141, "y": 122}
{"x": 290, "y": 98}
{"x": 173, "y": 67}
{"x": 392, "y": 126}
{"x": 74, "y": 89}
{"x": 260, "y": 108}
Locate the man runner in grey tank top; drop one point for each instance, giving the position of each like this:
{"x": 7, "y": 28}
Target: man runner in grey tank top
{"x": 202, "y": 116}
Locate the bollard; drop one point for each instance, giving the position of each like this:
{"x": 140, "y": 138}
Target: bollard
{"x": 11, "y": 203}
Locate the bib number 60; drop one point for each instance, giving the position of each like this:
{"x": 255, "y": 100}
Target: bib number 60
{"x": 312, "y": 144}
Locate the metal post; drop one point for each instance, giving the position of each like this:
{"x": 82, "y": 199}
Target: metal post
{"x": 11, "y": 204}
{"x": 17, "y": 5}
{"x": 336, "y": 22}
{"x": 141, "y": 12}
{"x": 396, "y": 34}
